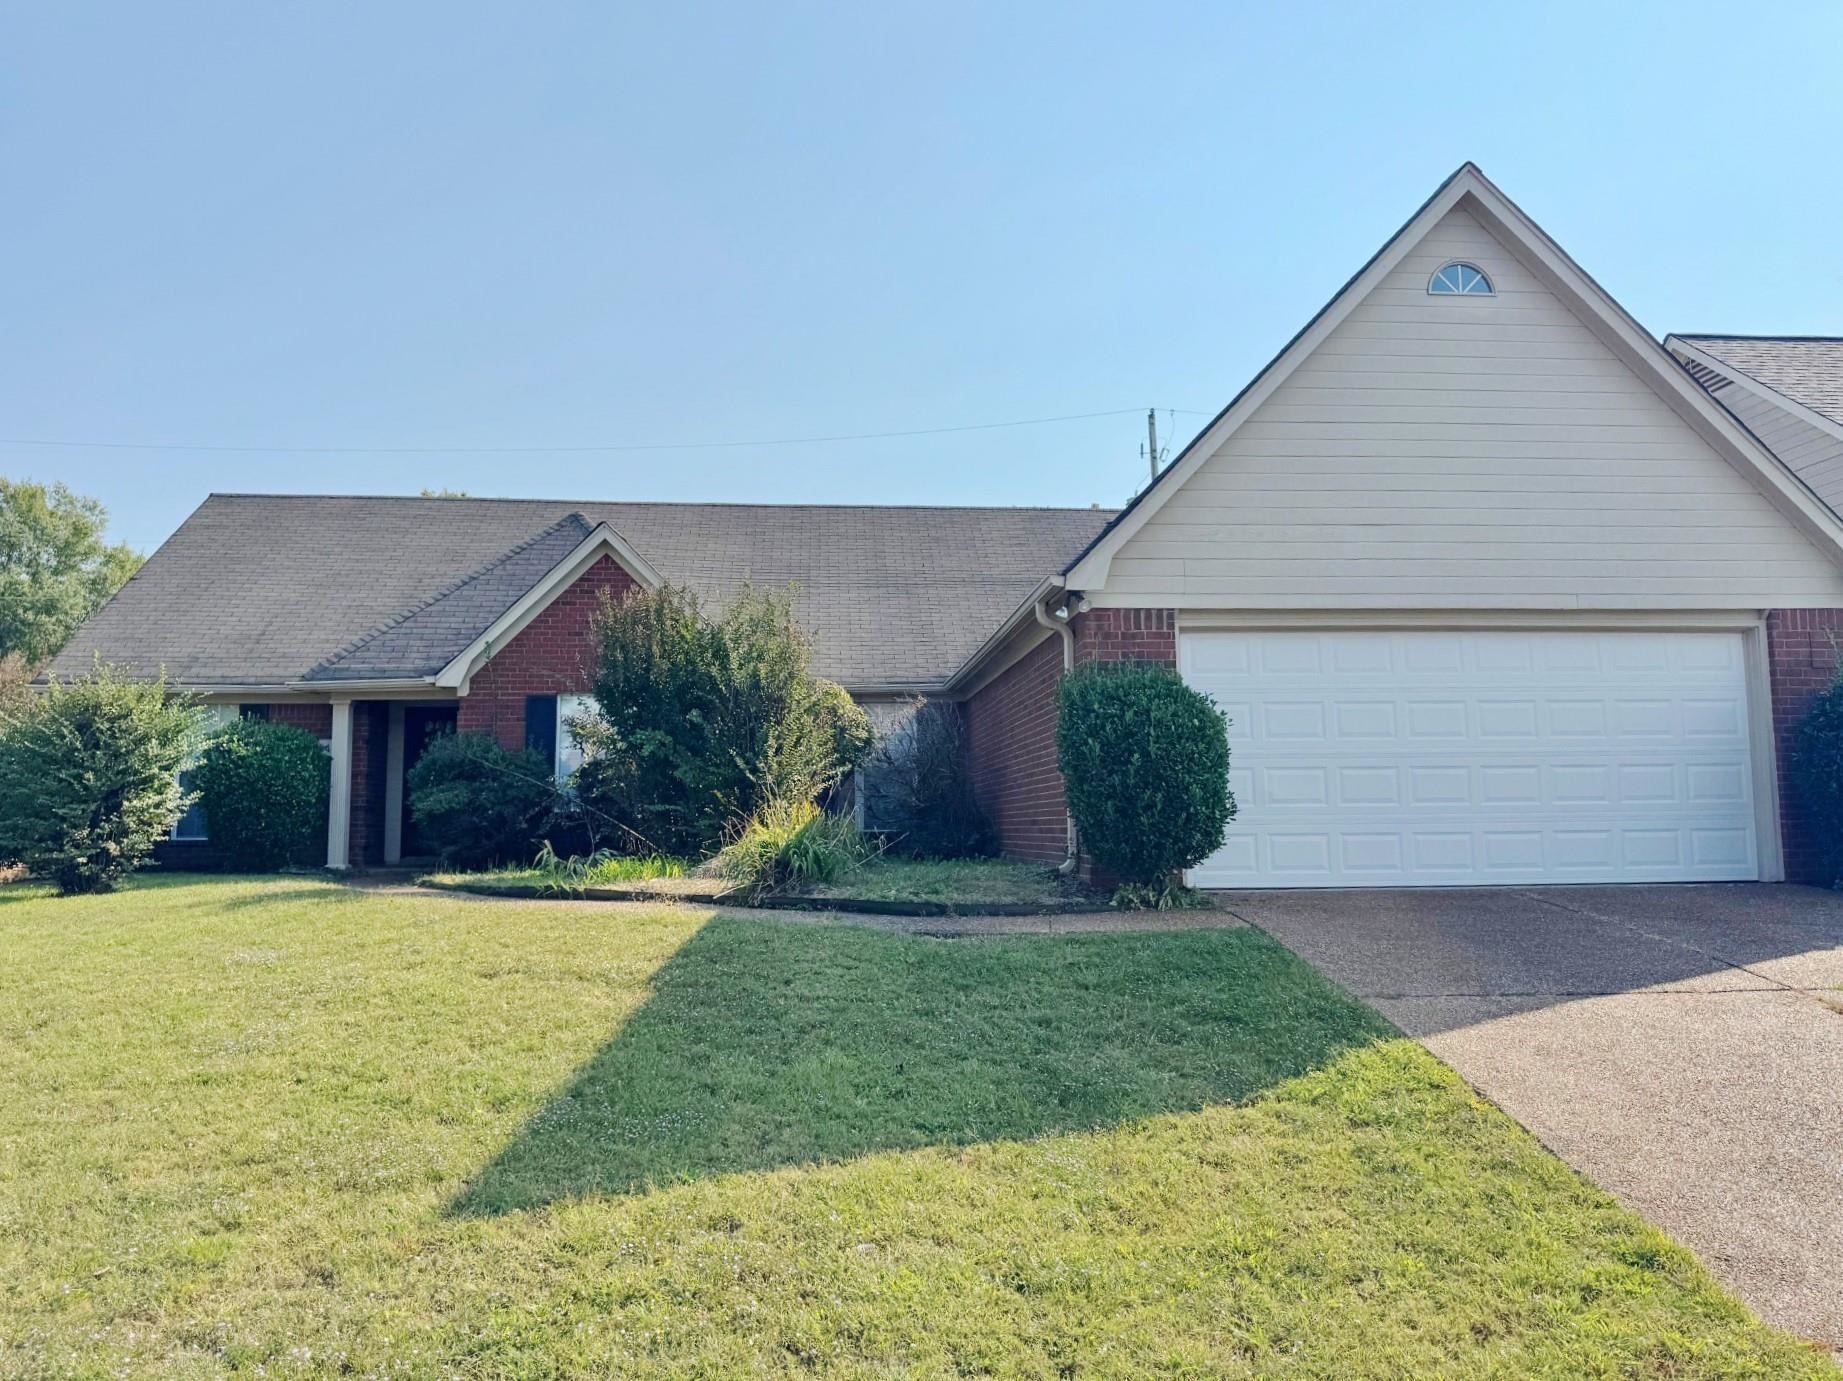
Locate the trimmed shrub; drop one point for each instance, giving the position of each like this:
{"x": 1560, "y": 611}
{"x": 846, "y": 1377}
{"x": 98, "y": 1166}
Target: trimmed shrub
{"x": 917, "y": 783}
{"x": 263, "y": 788}
{"x": 1815, "y": 766}
{"x": 705, "y": 715}
{"x": 478, "y": 805}
{"x": 1146, "y": 763}
{"x": 89, "y": 777}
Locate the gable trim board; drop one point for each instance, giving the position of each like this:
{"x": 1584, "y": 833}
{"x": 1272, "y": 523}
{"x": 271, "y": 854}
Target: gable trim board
{"x": 604, "y": 541}
{"x": 1468, "y": 191}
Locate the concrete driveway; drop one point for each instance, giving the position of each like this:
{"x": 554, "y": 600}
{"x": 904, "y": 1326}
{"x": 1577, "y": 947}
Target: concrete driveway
{"x": 1681, "y": 1046}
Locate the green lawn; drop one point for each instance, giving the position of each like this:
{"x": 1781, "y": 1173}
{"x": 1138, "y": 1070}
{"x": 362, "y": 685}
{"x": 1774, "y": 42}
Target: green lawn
{"x": 957, "y": 882}
{"x": 281, "y": 1128}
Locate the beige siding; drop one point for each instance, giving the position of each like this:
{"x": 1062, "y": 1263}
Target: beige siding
{"x": 1467, "y": 452}
{"x": 1815, "y": 456}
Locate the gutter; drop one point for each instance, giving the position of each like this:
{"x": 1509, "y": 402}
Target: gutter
{"x": 1039, "y": 609}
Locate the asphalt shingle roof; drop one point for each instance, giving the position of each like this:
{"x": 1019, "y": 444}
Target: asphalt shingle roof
{"x": 262, "y": 589}
{"x": 1806, "y": 369}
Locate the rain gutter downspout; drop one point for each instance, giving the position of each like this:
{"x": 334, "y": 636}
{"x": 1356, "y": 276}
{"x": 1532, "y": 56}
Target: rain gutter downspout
{"x": 1061, "y": 626}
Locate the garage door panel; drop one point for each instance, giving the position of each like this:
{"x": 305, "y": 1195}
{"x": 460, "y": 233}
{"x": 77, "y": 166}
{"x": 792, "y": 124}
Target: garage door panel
{"x": 1363, "y": 758}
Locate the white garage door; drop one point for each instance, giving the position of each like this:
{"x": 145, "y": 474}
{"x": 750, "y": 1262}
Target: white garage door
{"x": 1466, "y": 758}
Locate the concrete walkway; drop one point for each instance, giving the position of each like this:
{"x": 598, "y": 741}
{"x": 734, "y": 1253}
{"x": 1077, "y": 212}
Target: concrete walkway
{"x": 1681, "y": 1046}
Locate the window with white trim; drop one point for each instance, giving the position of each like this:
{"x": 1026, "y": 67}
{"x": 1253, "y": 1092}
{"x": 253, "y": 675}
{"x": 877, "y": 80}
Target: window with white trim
{"x": 1459, "y": 279}
{"x": 569, "y": 752}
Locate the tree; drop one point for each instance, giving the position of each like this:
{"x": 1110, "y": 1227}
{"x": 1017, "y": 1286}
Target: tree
{"x": 1146, "y": 763}
{"x": 89, "y": 777}
{"x": 55, "y": 568}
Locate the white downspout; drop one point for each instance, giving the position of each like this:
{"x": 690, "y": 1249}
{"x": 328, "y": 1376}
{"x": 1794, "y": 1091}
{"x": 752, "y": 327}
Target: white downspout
{"x": 1072, "y": 857}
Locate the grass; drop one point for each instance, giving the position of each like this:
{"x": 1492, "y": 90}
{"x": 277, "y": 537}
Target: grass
{"x": 562, "y": 877}
{"x": 283, "y": 1128}
{"x": 955, "y": 882}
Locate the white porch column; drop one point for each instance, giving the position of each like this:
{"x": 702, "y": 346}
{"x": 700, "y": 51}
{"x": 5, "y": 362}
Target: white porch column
{"x": 339, "y": 803}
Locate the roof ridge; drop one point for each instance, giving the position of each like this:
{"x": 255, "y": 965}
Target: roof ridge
{"x": 672, "y": 503}
{"x": 405, "y": 615}
{"x": 1725, "y": 335}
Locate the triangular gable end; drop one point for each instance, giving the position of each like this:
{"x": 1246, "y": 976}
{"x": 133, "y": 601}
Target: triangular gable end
{"x": 1469, "y": 191}
{"x": 602, "y": 542}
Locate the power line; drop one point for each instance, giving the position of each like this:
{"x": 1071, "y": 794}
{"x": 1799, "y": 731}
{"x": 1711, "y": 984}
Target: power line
{"x": 566, "y": 450}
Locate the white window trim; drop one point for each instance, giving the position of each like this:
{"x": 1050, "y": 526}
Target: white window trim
{"x": 221, "y": 715}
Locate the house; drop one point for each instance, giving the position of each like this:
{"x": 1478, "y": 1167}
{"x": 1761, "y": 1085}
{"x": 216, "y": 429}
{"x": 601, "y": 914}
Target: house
{"x": 1494, "y": 587}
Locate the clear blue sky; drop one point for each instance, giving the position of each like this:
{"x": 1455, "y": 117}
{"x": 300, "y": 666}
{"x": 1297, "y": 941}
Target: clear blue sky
{"x": 465, "y": 225}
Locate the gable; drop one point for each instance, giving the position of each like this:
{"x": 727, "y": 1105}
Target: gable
{"x": 1467, "y": 451}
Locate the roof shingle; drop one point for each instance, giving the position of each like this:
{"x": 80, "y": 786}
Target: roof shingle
{"x": 1806, "y": 369}
{"x": 263, "y": 589}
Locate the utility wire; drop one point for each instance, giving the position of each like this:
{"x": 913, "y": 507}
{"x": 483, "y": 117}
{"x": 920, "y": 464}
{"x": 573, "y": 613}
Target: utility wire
{"x": 565, "y": 450}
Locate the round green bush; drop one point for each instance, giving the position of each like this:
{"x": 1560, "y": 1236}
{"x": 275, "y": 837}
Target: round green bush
{"x": 1145, "y": 760}
{"x": 478, "y": 805}
{"x": 1815, "y": 765}
{"x": 263, "y": 788}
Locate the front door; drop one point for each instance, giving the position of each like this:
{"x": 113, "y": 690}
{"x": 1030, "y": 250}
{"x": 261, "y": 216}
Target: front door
{"x": 421, "y": 726}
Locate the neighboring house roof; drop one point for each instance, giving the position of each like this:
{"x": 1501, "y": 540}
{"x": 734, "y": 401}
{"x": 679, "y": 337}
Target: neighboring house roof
{"x": 271, "y": 589}
{"x": 1805, "y": 369}
{"x": 1469, "y": 187}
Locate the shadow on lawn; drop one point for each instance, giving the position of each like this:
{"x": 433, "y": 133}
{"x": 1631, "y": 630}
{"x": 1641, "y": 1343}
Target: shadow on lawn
{"x": 768, "y": 1045}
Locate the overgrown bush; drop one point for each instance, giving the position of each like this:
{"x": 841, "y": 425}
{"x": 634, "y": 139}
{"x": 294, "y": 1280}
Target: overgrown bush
{"x": 1815, "y": 764}
{"x": 263, "y": 788}
{"x": 89, "y": 777}
{"x": 15, "y": 679}
{"x": 790, "y": 842}
{"x": 917, "y": 784}
{"x": 478, "y": 805}
{"x": 1146, "y": 762}
{"x": 704, "y": 715}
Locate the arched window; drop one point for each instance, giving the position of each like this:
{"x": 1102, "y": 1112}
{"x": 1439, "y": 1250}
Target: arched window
{"x": 1460, "y": 280}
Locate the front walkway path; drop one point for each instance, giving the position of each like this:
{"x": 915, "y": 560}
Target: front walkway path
{"x": 1682, "y": 1046}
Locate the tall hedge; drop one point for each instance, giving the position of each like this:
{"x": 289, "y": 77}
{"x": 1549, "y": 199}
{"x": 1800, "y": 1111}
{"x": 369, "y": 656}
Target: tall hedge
{"x": 89, "y": 777}
{"x": 1145, "y": 760}
{"x": 264, "y": 791}
{"x": 1815, "y": 764}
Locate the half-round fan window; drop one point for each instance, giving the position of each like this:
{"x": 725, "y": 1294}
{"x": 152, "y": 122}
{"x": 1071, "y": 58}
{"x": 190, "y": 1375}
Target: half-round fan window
{"x": 1460, "y": 280}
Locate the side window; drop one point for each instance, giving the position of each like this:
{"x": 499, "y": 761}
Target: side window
{"x": 191, "y": 825}
{"x": 569, "y": 752}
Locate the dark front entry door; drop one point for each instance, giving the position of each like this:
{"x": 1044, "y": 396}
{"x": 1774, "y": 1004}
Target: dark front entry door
{"x": 421, "y": 725}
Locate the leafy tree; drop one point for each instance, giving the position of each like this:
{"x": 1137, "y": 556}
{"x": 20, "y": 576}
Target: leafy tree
{"x": 264, "y": 791}
{"x": 89, "y": 777}
{"x": 55, "y": 568}
{"x": 1146, "y": 763}
{"x": 705, "y": 715}
{"x": 15, "y": 677}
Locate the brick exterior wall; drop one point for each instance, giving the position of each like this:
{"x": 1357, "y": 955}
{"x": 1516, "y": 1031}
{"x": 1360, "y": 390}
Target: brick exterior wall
{"x": 370, "y": 761}
{"x": 1801, "y": 646}
{"x": 1011, "y": 727}
{"x": 550, "y": 656}
{"x": 1011, "y": 751}
{"x": 1126, "y": 635}
{"x": 314, "y": 719}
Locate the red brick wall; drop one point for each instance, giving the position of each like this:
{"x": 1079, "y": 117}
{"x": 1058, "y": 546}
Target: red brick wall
{"x": 370, "y": 761}
{"x": 550, "y": 656}
{"x": 1801, "y": 647}
{"x": 1011, "y": 754}
{"x": 1126, "y": 635}
{"x": 314, "y": 719}
{"x": 1011, "y": 727}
